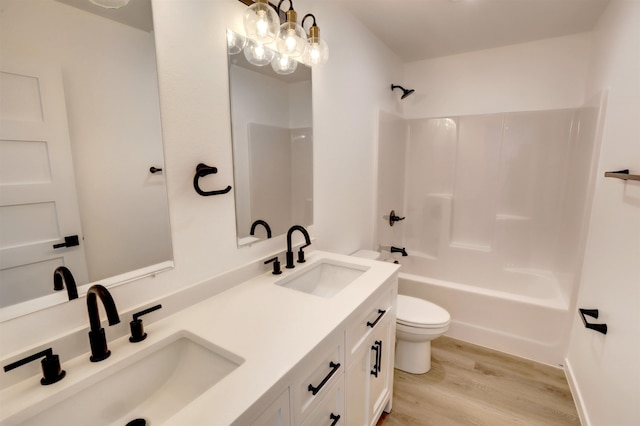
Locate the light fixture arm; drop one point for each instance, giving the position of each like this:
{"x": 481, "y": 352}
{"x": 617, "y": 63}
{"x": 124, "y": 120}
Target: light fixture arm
{"x": 308, "y": 15}
{"x": 280, "y": 4}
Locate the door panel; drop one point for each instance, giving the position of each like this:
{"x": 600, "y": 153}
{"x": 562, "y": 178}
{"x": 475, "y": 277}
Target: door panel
{"x": 38, "y": 202}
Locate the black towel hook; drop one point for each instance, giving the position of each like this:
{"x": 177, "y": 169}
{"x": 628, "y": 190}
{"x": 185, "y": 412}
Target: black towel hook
{"x": 204, "y": 170}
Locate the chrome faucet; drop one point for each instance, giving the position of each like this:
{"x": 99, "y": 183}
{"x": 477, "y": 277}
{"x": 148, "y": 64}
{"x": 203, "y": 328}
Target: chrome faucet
{"x": 97, "y": 337}
{"x": 263, "y": 223}
{"x": 301, "y": 252}
{"x": 63, "y": 275}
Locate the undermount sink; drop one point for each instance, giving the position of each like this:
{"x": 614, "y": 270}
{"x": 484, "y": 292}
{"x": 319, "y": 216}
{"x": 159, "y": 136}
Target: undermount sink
{"x": 153, "y": 387}
{"x": 325, "y": 279}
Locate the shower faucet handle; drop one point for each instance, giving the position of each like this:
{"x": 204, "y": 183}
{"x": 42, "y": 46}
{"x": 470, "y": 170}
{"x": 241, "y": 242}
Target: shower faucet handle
{"x": 393, "y": 218}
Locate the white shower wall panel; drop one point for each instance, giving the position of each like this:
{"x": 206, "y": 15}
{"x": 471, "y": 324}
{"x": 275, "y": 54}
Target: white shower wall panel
{"x": 490, "y": 193}
{"x": 476, "y": 178}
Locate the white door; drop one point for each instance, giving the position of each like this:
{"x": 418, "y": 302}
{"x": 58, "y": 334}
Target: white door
{"x": 38, "y": 203}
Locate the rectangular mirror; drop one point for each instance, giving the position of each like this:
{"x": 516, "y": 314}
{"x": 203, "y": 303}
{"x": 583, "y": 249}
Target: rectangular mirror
{"x": 272, "y": 132}
{"x": 80, "y": 131}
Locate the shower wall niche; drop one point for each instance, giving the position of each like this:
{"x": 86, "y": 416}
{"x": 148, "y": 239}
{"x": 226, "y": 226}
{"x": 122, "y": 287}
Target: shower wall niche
{"x": 490, "y": 197}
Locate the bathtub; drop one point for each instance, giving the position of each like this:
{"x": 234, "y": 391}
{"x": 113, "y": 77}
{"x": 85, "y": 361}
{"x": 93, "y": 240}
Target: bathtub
{"x": 518, "y": 312}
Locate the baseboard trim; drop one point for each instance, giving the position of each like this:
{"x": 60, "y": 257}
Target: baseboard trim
{"x": 575, "y": 392}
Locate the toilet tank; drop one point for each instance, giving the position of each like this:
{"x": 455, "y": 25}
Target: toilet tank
{"x": 367, "y": 254}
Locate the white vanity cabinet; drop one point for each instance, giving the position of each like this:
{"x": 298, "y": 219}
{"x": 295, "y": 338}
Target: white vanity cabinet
{"x": 276, "y": 414}
{"x": 370, "y": 342}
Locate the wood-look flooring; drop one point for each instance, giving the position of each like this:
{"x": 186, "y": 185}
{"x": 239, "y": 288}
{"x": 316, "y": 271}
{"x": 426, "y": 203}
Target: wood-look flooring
{"x": 472, "y": 385}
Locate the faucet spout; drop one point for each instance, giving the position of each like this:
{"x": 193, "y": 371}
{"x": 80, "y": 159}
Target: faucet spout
{"x": 399, "y": 250}
{"x": 263, "y": 223}
{"x": 97, "y": 337}
{"x": 62, "y": 277}
{"x": 307, "y": 239}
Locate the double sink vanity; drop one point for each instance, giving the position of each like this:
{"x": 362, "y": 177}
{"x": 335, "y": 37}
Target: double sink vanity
{"x": 311, "y": 346}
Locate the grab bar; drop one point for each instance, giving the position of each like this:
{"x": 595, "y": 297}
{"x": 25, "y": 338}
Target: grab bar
{"x": 593, "y": 313}
{"x": 622, "y": 174}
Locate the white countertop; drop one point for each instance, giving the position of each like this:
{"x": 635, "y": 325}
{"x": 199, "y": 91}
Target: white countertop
{"x": 271, "y": 327}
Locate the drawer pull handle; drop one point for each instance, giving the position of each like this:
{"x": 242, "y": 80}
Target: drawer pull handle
{"x": 335, "y": 419}
{"x": 378, "y": 364}
{"x": 380, "y": 315}
{"x": 334, "y": 367}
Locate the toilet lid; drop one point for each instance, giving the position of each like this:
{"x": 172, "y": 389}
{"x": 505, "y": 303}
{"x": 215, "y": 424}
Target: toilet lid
{"x": 420, "y": 313}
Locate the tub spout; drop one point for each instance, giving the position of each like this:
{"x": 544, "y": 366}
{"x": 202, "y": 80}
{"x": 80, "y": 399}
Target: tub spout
{"x": 399, "y": 250}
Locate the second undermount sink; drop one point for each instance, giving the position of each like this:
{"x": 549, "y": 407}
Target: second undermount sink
{"x": 325, "y": 279}
{"x": 153, "y": 387}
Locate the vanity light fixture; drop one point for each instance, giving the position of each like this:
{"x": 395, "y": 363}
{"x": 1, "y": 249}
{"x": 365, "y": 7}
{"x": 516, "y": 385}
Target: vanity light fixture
{"x": 291, "y": 39}
{"x": 317, "y": 52}
{"x": 235, "y": 42}
{"x": 282, "y": 64}
{"x": 110, "y": 4}
{"x": 261, "y": 22}
{"x": 258, "y": 54}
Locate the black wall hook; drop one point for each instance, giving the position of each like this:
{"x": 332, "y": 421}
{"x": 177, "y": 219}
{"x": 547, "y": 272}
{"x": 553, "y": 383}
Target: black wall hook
{"x": 204, "y": 170}
{"x": 593, "y": 313}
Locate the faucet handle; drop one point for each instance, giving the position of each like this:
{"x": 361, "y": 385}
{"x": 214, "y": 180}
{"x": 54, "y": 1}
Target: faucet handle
{"x": 301, "y": 253}
{"x": 137, "y": 329}
{"x": 51, "y": 371}
{"x": 276, "y": 265}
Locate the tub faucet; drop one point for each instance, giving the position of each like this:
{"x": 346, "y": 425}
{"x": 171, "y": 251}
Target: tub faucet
{"x": 399, "y": 250}
{"x": 290, "y": 250}
{"x": 62, "y": 277}
{"x": 97, "y": 337}
{"x": 263, "y": 223}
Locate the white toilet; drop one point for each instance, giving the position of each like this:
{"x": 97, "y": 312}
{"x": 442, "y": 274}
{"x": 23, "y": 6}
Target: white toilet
{"x": 418, "y": 322}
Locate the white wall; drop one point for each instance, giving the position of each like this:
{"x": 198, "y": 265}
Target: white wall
{"x": 545, "y": 74}
{"x": 192, "y": 67}
{"x": 604, "y": 369}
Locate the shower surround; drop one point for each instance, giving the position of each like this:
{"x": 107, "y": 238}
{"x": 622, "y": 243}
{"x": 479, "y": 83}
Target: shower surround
{"x": 495, "y": 210}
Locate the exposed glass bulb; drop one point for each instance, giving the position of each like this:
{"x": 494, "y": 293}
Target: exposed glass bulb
{"x": 317, "y": 52}
{"x": 282, "y": 64}
{"x": 291, "y": 40}
{"x": 257, "y": 54}
{"x": 235, "y": 42}
{"x": 261, "y": 22}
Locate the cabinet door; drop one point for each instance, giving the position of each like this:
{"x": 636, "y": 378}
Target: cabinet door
{"x": 358, "y": 388}
{"x": 276, "y": 414}
{"x": 381, "y": 380}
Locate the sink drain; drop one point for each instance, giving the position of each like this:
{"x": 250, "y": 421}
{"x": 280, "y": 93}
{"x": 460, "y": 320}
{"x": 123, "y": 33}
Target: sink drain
{"x": 137, "y": 422}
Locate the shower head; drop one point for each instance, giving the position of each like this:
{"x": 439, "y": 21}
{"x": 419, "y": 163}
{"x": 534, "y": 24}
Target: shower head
{"x": 405, "y": 92}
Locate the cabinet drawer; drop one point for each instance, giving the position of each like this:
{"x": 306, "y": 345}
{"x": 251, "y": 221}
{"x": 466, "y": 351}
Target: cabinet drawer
{"x": 330, "y": 409}
{"x": 366, "y": 322}
{"x": 315, "y": 376}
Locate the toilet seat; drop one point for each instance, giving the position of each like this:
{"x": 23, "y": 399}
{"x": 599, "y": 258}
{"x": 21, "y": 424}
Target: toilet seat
{"x": 419, "y": 313}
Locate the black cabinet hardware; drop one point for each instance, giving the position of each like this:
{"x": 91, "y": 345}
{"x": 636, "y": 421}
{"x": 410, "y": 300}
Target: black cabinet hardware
{"x": 69, "y": 241}
{"x": 376, "y": 367}
{"x": 315, "y": 389}
{"x": 380, "y": 315}
{"x": 335, "y": 419}
{"x": 137, "y": 329}
{"x": 51, "y": 371}
{"x": 593, "y": 313}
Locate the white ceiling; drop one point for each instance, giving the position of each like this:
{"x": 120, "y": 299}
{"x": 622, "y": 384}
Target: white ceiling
{"x": 421, "y": 29}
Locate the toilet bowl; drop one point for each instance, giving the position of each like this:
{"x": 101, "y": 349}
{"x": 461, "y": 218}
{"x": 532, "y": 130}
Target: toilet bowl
{"x": 418, "y": 322}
